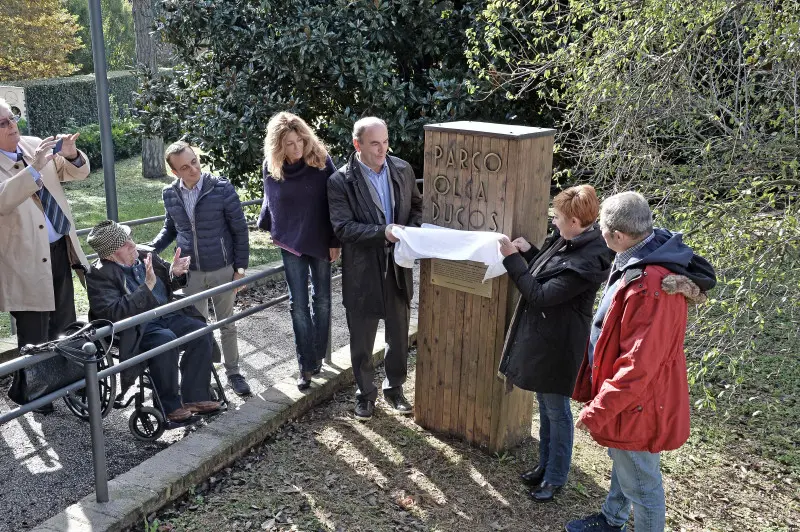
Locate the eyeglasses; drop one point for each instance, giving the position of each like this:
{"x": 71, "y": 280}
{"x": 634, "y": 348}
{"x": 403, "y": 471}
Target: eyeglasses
{"x": 7, "y": 121}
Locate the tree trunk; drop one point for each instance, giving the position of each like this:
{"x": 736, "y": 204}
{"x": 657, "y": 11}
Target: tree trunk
{"x": 153, "y": 165}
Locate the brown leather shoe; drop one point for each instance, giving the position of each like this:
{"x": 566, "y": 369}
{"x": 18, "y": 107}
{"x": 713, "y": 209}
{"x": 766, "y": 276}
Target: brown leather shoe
{"x": 179, "y": 414}
{"x": 202, "y": 407}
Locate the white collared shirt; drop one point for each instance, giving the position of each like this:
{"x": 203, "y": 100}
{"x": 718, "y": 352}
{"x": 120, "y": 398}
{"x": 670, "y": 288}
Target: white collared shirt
{"x": 190, "y": 196}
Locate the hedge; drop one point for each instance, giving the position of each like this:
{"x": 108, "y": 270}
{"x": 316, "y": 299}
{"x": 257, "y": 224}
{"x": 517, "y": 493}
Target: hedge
{"x": 127, "y": 141}
{"x": 57, "y": 104}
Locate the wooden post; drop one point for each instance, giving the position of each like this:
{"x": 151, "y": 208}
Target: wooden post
{"x": 479, "y": 177}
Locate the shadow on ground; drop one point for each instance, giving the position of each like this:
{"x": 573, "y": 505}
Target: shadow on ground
{"x": 47, "y": 461}
{"x": 328, "y": 471}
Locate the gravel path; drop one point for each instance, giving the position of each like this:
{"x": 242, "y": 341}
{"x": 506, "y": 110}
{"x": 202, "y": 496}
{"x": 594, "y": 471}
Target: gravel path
{"x": 47, "y": 462}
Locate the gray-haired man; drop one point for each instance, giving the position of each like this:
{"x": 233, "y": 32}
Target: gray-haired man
{"x": 633, "y": 376}
{"x": 366, "y": 197}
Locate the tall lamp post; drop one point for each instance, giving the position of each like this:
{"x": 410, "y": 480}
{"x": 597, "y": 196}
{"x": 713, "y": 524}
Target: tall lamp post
{"x": 103, "y": 108}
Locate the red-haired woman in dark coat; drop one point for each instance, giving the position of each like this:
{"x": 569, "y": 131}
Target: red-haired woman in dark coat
{"x": 550, "y": 327}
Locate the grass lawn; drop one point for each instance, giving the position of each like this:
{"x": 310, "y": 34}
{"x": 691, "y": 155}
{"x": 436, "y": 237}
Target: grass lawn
{"x": 137, "y": 197}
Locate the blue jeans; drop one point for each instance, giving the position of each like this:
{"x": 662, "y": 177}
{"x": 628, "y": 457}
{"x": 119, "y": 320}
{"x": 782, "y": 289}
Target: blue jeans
{"x": 636, "y": 480}
{"x": 311, "y": 325}
{"x": 195, "y": 365}
{"x": 555, "y": 437}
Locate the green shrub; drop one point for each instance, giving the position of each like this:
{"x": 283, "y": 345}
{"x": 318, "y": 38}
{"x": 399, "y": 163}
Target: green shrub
{"x": 127, "y": 141}
{"x": 693, "y": 104}
{"x": 58, "y": 103}
{"x": 22, "y": 125}
{"x": 328, "y": 61}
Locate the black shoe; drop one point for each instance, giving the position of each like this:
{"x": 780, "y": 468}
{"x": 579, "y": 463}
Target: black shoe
{"x": 398, "y": 402}
{"x": 317, "y": 369}
{"x": 534, "y": 476}
{"x": 239, "y": 385}
{"x": 592, "y": 523}
{"x": 46, "y": 409}
{"x": 546, "y": 492}
{"x": 304, "y": 381}
{"x": 364, "y": 409}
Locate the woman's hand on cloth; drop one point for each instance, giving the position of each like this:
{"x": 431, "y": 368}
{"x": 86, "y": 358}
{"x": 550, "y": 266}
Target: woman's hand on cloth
{"x": 521, "y": 244}
{"x": 333, "y": 253}
{"x": 507, "y": 247}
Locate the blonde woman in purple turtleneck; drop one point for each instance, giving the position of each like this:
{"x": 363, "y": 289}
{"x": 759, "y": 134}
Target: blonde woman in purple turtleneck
{"x": 295, "y": 212}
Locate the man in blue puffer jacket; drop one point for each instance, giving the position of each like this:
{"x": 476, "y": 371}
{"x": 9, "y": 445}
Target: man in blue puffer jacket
{"x": 204, "y": 213}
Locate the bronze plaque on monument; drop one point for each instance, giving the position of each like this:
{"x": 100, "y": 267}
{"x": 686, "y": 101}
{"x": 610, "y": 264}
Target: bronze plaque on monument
{"x": 463, "y": 275}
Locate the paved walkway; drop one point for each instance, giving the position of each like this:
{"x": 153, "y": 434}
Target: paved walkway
{"x": 46, "y": 460}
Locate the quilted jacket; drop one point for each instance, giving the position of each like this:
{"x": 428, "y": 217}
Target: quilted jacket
{"x": 219, "y": 235}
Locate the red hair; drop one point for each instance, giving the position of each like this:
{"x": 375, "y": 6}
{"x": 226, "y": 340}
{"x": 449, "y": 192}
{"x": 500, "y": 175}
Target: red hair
{"x": 578, "y": 202}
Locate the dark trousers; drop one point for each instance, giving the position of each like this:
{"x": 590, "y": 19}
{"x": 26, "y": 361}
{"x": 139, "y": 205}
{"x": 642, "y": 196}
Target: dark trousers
{"x": 38, "y": 327}
{"x": 195, "y": 366}
{"x": 362, "y": 339}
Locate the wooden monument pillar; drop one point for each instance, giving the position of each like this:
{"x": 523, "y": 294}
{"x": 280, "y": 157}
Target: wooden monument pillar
{"x": 480, "y": 177}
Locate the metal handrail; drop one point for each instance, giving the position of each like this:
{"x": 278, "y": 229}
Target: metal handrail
{"x": 92, "y": 376}
{"x": 133, "y": 361}
{"x": 153, "y": 219}
{"x": 29, "y": 360}
{"x": 25, "y": 361}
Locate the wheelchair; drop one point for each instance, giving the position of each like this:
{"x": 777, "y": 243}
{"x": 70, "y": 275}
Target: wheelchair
{"x": 146, "y": 423}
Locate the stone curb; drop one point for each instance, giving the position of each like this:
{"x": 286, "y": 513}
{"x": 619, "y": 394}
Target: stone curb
{"x": 173, "y": 471}
{"x": 8, "y": 345}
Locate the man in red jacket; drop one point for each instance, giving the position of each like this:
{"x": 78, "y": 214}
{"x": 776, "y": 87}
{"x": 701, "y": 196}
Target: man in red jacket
{"x": 633, "y": 377}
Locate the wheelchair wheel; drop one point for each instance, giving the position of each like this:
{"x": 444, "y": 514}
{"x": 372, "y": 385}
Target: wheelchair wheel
{"x": 78, "y": 404}
{"x": 146, "y": 424}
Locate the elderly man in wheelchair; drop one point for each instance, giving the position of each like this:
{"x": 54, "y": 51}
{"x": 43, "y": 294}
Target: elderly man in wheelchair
{"x": 125, "y": 281}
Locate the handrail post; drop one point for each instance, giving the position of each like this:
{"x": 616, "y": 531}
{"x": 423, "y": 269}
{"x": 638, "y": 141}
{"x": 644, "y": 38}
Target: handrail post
{"x": 329, "y": 350}
{"x": 96, "y": 426}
